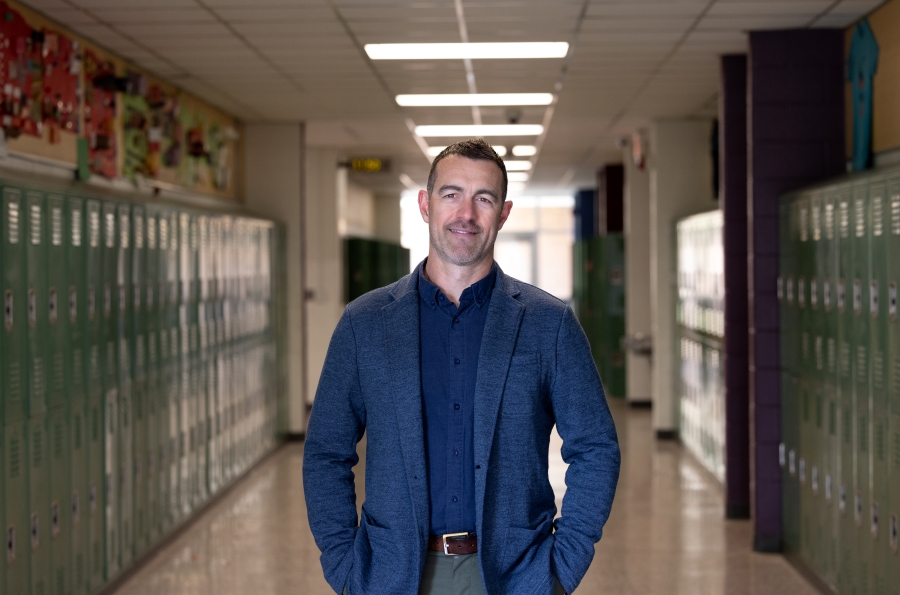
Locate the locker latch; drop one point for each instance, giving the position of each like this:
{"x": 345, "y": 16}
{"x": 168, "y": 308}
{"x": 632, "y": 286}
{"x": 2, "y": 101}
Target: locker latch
{"x": 10, "y": 545}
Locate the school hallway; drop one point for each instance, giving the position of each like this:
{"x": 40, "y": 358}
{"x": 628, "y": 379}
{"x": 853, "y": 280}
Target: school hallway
{"x": 667, "y": 533}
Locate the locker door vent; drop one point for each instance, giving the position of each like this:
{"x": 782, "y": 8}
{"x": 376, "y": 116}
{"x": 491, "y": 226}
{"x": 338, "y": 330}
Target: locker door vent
{"x": 76, "y": 227}
{"x": 12, "y": 210}
{"x": 15, "y": 457}
{"x": 56, "y": 226}
{"x": 36, "y": 225}
{"x": 37, "y": 449}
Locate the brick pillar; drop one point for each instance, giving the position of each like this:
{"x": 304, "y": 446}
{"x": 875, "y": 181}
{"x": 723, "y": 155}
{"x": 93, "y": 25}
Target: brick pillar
{"x": 733, "y": 180}
{"x": 795, "y": 129}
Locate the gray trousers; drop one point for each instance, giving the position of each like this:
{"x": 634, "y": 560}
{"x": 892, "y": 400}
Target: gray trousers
{"x": 456, "y": 575}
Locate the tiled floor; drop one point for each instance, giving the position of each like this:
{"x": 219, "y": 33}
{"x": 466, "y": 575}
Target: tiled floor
{"x": 666, "y": 534}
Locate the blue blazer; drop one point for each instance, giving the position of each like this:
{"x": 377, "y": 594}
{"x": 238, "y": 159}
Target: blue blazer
{"x": 534, "y": 370}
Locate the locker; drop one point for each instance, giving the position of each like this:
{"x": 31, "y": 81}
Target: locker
{"x": 57, "y": 343}
{"x": 140, "y": 404}
{"x": 37, "y": 301}
{"x": 861, "y": 360}
{"x": 76, "y": 284}
{"x": 892, "y": 515}
{"x": 59, "y": 579}
{"x": 124, "y": 337}
{"x": 110, "y": 338}
{"x": 38, "y": 538}
{"x": 172, "y": 347}
{"x": 36, "y": 260}
{"x": 163, "y": 376}
{"x": 827, "y": 275}
{"x": 805, "y": 373}
{"x": 95, "y": 364}
{"x": 18, "y": 517}
{"x": 187, "y": 462}
{"x": 150, "y": 323}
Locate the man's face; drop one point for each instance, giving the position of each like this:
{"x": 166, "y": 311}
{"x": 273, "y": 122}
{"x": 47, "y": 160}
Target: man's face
{"x": 465, "y": 210}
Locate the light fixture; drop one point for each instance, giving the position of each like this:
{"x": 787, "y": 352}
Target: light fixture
{"x": 435, "y": 151}
{"x": 408, "y": 182}
{"x": 462, "y": 51}
{"x": 480, "y": 130}
{"x": 524, "y": 150}
{"x": 517, "y": 165}
{"x": 473, "y": 99}
{"x": 514, "y": 188}
{"x": 517, "y": 176}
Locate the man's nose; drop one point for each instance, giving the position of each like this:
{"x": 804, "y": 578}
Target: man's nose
{"x": 467, "y": 209}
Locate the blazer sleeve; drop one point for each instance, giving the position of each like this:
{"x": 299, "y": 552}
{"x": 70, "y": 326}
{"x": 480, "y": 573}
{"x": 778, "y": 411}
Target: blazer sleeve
{"x": 591, "y": 449}
{"x": 336, "y": 425}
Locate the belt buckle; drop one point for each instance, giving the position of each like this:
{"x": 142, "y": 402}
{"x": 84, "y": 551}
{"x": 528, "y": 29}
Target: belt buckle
{"x": 444, "y": 538}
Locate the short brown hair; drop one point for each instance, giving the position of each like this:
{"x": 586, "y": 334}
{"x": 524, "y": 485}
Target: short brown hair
{"x": 474, "y": 148}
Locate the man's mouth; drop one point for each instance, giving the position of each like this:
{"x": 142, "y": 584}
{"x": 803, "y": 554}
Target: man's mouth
{"x": 467, "y": 232}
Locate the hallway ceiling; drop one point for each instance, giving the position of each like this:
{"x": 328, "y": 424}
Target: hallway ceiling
{"x": 290, "y": 60}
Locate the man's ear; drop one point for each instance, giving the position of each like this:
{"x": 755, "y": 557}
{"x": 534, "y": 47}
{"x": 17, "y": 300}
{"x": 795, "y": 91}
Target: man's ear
{"x": 504, "y": 212}
{"x": 423, "y": 205}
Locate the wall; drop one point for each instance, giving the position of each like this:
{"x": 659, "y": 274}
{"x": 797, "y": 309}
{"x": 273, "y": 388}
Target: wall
{"x": 324, "y": 261}
{"x": 356, "y": 208}
{"x": 387, "y": 217}
{"x": 274, "y": 189}
{"x": 639, "y": 381}
{"x": 680, "y": 185}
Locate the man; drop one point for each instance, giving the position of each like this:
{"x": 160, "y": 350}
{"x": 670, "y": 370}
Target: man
{"x": 457, "y": 374}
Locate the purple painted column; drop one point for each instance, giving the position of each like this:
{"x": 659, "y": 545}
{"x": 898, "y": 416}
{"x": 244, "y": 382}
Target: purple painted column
{"x": 795, "y": 135}
{"x": 733, "y": 180}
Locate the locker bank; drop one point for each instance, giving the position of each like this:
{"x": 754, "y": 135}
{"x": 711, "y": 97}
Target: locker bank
{"x": 191, "y": 192}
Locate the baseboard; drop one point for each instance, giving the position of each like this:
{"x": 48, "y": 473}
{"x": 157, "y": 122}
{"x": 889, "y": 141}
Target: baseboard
{"x": 767, "y": 544}
{"x": 648, "y": 404}
{"x": 737, "y": 511}
{"x": 295, "y": 437}
{"x": 666, "y": 435}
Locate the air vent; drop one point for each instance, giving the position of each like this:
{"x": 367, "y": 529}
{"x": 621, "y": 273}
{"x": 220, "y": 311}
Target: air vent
{"x": 94, "y": 229}
{"x": 124, "y": 234}
{"x": 76, "y": 227}
{"x": 138, "y": 231}
{"x": 35, "y": 225}
{"x": 13, "y": 221}
{"x": 56, "y": 226}
{"x": 109, "y": 229}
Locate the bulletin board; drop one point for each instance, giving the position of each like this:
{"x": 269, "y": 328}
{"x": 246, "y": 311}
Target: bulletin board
{"x": 57, "y": 88}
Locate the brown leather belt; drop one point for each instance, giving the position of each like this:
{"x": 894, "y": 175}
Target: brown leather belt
{"x": 454, "y": 544}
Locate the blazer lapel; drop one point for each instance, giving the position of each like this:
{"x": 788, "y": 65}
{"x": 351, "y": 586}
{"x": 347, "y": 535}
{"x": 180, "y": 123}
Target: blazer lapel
{"x": 500, "y": 332}
{"x": 401, "y": 345}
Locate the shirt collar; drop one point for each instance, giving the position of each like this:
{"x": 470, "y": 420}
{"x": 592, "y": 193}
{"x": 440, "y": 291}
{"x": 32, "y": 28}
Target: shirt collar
{"x": 480, "y": 291}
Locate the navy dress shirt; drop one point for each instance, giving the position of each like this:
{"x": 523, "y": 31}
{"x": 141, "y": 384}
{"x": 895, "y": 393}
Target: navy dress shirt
{"x": 450, "y": 340}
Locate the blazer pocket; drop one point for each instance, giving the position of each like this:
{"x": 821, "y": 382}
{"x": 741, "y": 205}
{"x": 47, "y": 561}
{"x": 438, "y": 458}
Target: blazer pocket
{"x": 521, "y": 546}
{"x": 522, "y": 395}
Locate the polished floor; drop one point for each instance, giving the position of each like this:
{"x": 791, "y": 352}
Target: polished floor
{"x": 666, "y": 534}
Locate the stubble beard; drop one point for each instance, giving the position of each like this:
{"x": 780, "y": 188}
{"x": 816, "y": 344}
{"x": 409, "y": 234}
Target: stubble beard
{"x": 440, "y": 241}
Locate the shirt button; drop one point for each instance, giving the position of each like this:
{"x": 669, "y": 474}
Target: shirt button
{"x": 456, "y": 361}
{"x": 456, "y": 406}
{"x": 455, "y": 499}
{"x": 455, "y": 453}
{"x": 455, "y": 320}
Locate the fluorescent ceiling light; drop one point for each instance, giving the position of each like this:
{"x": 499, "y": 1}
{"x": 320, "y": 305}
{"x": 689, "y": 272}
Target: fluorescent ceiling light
{"x": 461, "y": 51}
{"x": 517, "y": 165}
{"x": 481, "y": 99}
{"x": 524, "y": 150}
{"x": 481, "y": 130}
{"x": 514, "y": 188}
{"x": 517, "y": 176}
{"x": 435, "y": 151}
{"x": 408, "y": 182}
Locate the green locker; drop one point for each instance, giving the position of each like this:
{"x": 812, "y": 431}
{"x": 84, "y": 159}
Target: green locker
{"x": 39, "y": 501}
{"x": 36, "y": 260}
{"x": 892, "y": 515}
{"x": 827, "y": 275}
{"x": 140, "y": 406}
{"x": 860, "y": 349}
{"x": 15, "y": 473}
{"x": 37, "y": 305}
{"x": 847, "y": 562}
{"x": 124, "y": 335}
{"x": 818, "y": 452}
{"x": 95, "y": 350}
{"x": 807, "y": 442}
{"x": 188, "y": 466}
{"x": 14, "y": 389}
{"x": 60, "y": 461}
{"x": 151, "y": 394}
{"x": 110, "y": 338}
{"x": 789, "y": 431}
{"x": 880, "y": 380}
{"x": 76, "y": 292}
{"x": 173, "y": 371}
